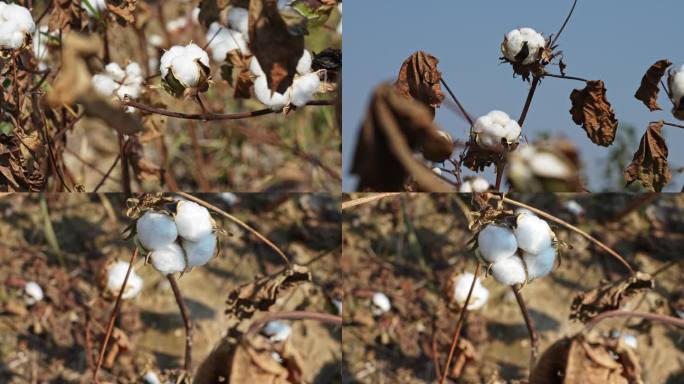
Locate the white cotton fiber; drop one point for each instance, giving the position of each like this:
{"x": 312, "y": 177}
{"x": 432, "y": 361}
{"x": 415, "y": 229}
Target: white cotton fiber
{"x": 514, "y": 41}
{"x": 116, "y": 274}
{"x": 462, "y": 285}
{"x": 540, "y": 264}
{"x": 155, "y": 230}
{"x": 496, "y": 242}
{"x": 168, "y": 259}
{"x": 509, "y": 271}
{"x": 201, "y": 251}
{"x": 193, "y": 221}
{"x": 532, "y": 233}
{"x": 493, "y": 127}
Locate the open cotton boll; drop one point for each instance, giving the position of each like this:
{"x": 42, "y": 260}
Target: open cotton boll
{"x": 93, "y": 5}
{"x": 277, "y": 331}
{"x": 540, "y": 264}
{"x": 116, "y": 274}
{"x": 115, "y": 72}
{"x": 224, "y": 40}
{"x": 238, "y": 19}
{"x": 273, "y": 100}
{"x": 155, "y": 230}
{"x": 193, "y": 221}
{"x": 676, "y": 85}
{"x": 304, "y": 88}
{"x": 34, "y": 293}
{"x": 255, "y": 68}
{"x": 515, "y": 40}
{"x": 168, "y": 259}
{"x": 532, "y": 233}
{"x": 574, "y": 207}
{"x": 493, "y": 127}
{"x": 16, "y": 23}
{"x": 184, "y": 64}
{"x": 509, "y": 271}
{"x": 304, "y": 63}
{"x": 381, "y": 303}
{"x": 496, "y": 242}
{"x": 201, "y": 251}
{"x": 462, "y": 285}
{"x": 475, "y": 184}
{"x": 104, "y": 85}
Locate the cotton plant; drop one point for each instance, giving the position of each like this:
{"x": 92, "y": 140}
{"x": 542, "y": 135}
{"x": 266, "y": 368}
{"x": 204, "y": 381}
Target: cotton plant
{"x": 119, "y": 82}
{"x": 185, "y": 70}
{"x": 16, "y": 26}
{"x": 496, "y": 131}
{"x": 523, "y": 46}
{"x": 305, "y": 85}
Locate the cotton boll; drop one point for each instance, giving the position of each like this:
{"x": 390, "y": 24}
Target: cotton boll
{"x": 115, "y": 72}
{"x": 104, "y": 85}
{"x": 10, "y": 36}
{"x": 224, "y": 40}
{"x": 201, "y": 251}
{"x": 133, "y": 71}
{"x": 155, "y": 230}
{"x": 532, "y": 233}
{"x": 304, "y": 63}
{"x": 491, "y": 128}
{"x": 516, "y": 39}
{"x": 168, "y": 56}
{"x": 574, "y": 207}
{"x": 381, "y": 302}
{"x": 184, "y": 64}
{"x": 194, "y": 52}
{"x": 541, "y": 264}
{"x": 277, "y": 331}
{"x": 21, "y": 17}
{"x": 168, "y": 259}
{"x": 115, "y": 279}
{"x": 476, "y": 184}
{"x": 509, "y": 271}
{"x": 304, "y": 88}
{"x": 676, "y": 85}
{"x": 547, "y": 164}
{"x": 462, "y": 285}
{"x": 193, "y": 221}
{"x": 238, "y": 19}
{"x": 496, "y": 242}
{"x": 186, "y": 71}
{"x": 274, "y": 100}
{"x": 127, "y": 90}
{"x": 34, "y": 293}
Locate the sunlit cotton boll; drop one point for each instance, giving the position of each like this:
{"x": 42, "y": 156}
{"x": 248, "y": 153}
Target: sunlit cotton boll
{"x": 516, "y": 39}
{"x": 304, "y": 88}
{"x": 104, "y": 85}
{"x": 34, "y": 293}
{"x": 509, "y": 271}
{"x": 168, "y": 259}
{"x": 676, "y": 85}
{"x": 277, "y": 331}
{"x": 16, "y": 23}
{"x": 155, "y": 230}
{"x": 493, "y": 127}
{"x": 224, "y": 40}
{"x": 193, "y": 221}
{"x": 462, "y": 285}
{"x": 532, "y": 233}
{"x": 304, "y": 63}
{"x": 115, "y": 279}
{"x": 238, "y": 19}
{"x": 496, "y": 242}
{"x": 476, "y": 184}
{"x": 201, "y": 251}
{"x": 182, "y": 62}
{"x": 274, "y": 100}
{"x": 93, "y": 5}
{"x": 381, "y": 303}
{"x": 540, "y": 264}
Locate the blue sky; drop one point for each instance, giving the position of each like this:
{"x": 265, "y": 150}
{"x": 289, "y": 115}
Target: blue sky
{"x": 615, "y": 41}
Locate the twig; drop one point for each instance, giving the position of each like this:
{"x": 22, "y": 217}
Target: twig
{"x": 458, "y": 103}
{"x": 459, "y": 324}
{"x": 367, "y": 199}
{"x": 677, "y": 322}
{"x": 112, "y": 317}
{"x": 528, "y": 101}
{"x": 671, "y": 124}
{"x": 500, "y": 165}
{"x": 531, "y": 329}
{"x": 295, "y": 315}
{"x": 564, "y": 77}
{"x": 564, "y": 24}
{"x": 109, "y": 171}
{"x": 238, "y": 222}
{"x": 186, "y": 320}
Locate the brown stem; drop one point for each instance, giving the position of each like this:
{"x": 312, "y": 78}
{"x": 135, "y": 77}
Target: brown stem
{"x": 458, "y": 103}
{"x": 459, "y": 324}
{"x": 673, "y": 124}
{"x": 677, "y": 322}
{"x": 112, "y": 317}
{"x": 186, "y": 320}
{"x": 531, "y": 329}
{"x": 499, "y": 174}
{"x": 367, "y": 199}
{"x": 109, "y": 172}
{"x": 295, "y": 315}
{"x": 547, "y": 74}
{"x": 528, "y": 102}
{"x": 567, "y": 19}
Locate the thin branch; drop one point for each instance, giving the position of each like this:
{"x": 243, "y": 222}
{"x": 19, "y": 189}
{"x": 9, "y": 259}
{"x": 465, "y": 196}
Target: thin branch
{"x": 531, "y": 328}
{"x": 458, "y": 103}
{"x": 564, "y": 77}
{"x": 367, "y": 199}
{"x": 677, "y": 322}
{"x": 459, "y": 325}
{"x": 186, "y": 320}
{"x": 528, "y": 101}
{"x": 238, "y": 222}
{"x": 294, "y": 315}
{"x": 673, "y": 124}
{"x": 567, "y": 19}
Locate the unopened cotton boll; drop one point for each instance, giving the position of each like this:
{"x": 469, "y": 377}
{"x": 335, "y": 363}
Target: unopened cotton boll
{"x": 155, "y": 230}
{"x": 676, "y": 85}
{"x": 116, "y": 274}
{"x": 16, "y": 23}
{"x": 494, "y": 127}
{"x": 381, "y": 302}
{"x": 168, "y": 259}
{"x": 516, "y": 39}
{"x": 462, "y": 285}
{"x": 496, "y": 242}
{"x": 193, "y": 221}
{"x": 238, "y": 19}
{"x": 304, "y": 88}
{"x": 277, "y": 331}
{"x": 532, "y": 233}
{"x": 224, "y": 40}
{"x": 34, "y": 293}
{"x": 540, "y": 264}
{"x": 509, "y": 271}
{"x": 201, "y": 251}
{"x": 476, "y": 184}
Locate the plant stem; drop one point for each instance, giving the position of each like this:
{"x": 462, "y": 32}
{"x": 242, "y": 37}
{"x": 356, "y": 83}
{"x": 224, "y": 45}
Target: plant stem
{"x": 459, "y": 324}
{"x": 458, "y": 103}
{"x": 295, "y": 315}
{"x": 186, "y": 320}
{"x": 499, "y": 174}
{"x": 528, "y": 102}
{"x": 548, "y": 74}
{"x": 367, "y": 199}
{"x": 531, "y": 329}
{"x": 673, "y": 124}
{"x": 677, "y": 322}
{"x": 564, "y": 24}
{"x": 125, "y": 175}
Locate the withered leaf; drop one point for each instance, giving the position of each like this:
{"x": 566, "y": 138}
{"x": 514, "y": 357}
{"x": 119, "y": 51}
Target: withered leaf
{"x": 649, "y": 164}
{"x": 593, "y": 112}
{"x": 650, "y": 84}
{"x": 210, "y": 10}
{"x": 394, "y": 127}
{"x": 276, "y": 49}
{"x": 609, "y": 296}
{"x": 260, "y": 294}
{"x": 420, "y": 79}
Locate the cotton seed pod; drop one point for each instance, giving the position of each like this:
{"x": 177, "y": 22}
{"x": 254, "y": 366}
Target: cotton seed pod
{"x": 494, "y": 128}
{"x": 532, "y": 233}
{"x": 193, "y": 221}
{"x": 495, "y": 243}
{"x": 201, "y": 251}
{"x": 155, "y": 230}
{"x": 116, "y": 274}
{"x": 509, "y": 271}
{"x": 676, "y": 85}
{"x": 381, "y": 302}
{"x": 33, "y": 292}
{"x": 523, "y": 46}
{"x": 168, "y": 259}
{"x": 16, "y": 23}
{"x": 474, "y": 184}
{"x": 461, "y": 287}
{"x": 184, "y": 67}
{"x": 540, "y": 264}
{"x": 277, "y": 331}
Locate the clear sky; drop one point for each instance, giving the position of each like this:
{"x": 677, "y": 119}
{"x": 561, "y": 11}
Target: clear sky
{"x": 612, "y": 40}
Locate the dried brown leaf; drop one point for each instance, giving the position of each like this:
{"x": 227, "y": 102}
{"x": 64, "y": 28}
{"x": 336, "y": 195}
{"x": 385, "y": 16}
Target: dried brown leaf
{"x": 419, "y": 78}
{"x": 650, "y": 84}
{"x": 395, "y": 127}
{"x": 609, "y": 296}
{"x": 593, "y": 112}
{"x": 649, "y": 164}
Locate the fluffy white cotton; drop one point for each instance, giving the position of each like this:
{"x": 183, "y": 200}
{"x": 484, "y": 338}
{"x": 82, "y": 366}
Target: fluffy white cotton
{"x": 532, "y": 233}
{"x": 201, "y": 251}
{"x": 277, "y": 331}
{"x": 676, "y": 85}
{"x": 496, "y": 242}
{"x": 462, "y": 285}
{"x": 34, "y": 293}
{"x": 116, "y": 274}
{"x": 301, "y": 91}
{"x": 304, "y": 63}
{"x": 438, "y": 171}
{"x": 193, "y": 221}
{"x": 224, "y": 40}
{"x": 238, "y": 19}
{"x": 514, "y": 41}
{"x": 304, "y": 88}
{"x": 182, "y": 61}
{"x": 509, "y": 271}
{"x": 381, "y": 303}
{"x": 155, "y": 230}
{"x": 120, "y": 82}
{"x": 273, "y": 100}
{"x": 151, "y": 378}
{"x": 104, "y": 85}
{"x": 16, "y": 23}
{"x": 255, "y": 68}
{"x": 528, "y": 163}
{"x": 541, "y": 264}
{"x": 491, "y": 128}
{"x": 168, "y": 259}
{"x": 574, "y": 207}
{"x": 95, "y": 5}
{"x": 475, "y": 184}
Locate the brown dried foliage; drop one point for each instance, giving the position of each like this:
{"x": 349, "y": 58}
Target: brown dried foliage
{"x": 593, "y": 112}
{"x": 419, "y": 78}
{"x": 650, "y": 84}
{"x": 609, "y": 296}
{"x": 649, "y": 164}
